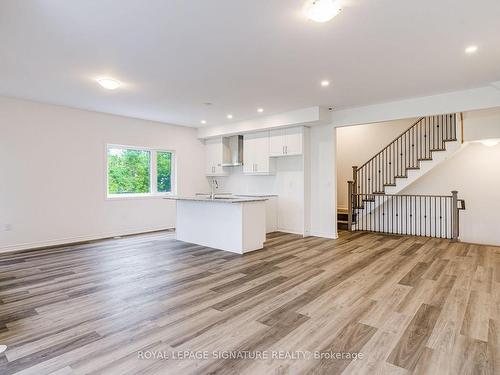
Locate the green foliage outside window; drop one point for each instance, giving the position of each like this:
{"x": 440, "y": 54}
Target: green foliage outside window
{"x": 128, "y": 171}
{"x": 164, "y": 171}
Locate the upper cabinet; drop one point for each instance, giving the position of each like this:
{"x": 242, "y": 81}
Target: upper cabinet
{"x": 214, "y": 157}
{"x": 259, "y": 148}
{"x": 256, "y": 154}
{"x": 284, "y": 142}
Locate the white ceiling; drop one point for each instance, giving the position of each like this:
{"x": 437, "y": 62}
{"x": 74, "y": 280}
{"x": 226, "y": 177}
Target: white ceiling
{"x": 175, "y": 55}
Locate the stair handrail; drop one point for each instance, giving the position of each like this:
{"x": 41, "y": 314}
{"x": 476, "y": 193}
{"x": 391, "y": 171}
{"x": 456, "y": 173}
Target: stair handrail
{"x": 394, "y": 140}
{"x": 416, "y": 143}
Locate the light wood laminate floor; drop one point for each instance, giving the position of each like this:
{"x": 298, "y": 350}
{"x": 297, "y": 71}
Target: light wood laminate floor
{"x": 408, "y": 304}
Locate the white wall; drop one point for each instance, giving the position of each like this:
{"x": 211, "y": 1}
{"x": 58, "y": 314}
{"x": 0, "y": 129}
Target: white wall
{"x": 287, "y": 183}
{"x": 52, "y": 174}
{"x": 475, "y": 173}
{"x": 451, "y": 102}
{"x": 483, "y": 124}
{"x": 323, "y": 209}
{"x": 357, "y": 144}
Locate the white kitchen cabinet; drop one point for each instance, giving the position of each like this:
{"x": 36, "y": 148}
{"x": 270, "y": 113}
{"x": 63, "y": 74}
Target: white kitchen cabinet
{"x": 271, "y": 214}
{"x": 285, "y": 142}
{"x": 213, "y": 157}
{"x": 293, "y": 141}
{"x": 256, "y": 154}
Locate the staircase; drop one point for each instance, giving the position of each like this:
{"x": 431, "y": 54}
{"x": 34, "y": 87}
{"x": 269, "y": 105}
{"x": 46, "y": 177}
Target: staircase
{"x": 374, "y": 203}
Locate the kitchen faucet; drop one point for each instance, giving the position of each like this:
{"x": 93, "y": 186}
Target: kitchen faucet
{"x": 215, "y": 185}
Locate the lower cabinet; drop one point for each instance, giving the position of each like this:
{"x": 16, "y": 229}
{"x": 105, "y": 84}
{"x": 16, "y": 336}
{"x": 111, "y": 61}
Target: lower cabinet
{"x": 272, "y": 214}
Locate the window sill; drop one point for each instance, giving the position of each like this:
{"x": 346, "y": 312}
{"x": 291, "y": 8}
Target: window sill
{"x": 126, "y": 197}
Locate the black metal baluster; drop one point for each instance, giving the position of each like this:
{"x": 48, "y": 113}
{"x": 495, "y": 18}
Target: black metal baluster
{"x": 398, "y": 215}
{"x": 406, "y": 214}
{"x": 361, "y": 218}
{"x": 446, "y": 216}
{"x": 440, "y": 218}
{"x": 410, "y": 219}
{"x": 371, "y": 176}
{"x": 442, "y": 133}
{"x": 446, "y": 131}
{"x": 454, "y": 126}
{"x": 419, "y": 131}
{"x": 427, "y": 138}
{"x": 413, "y": 148}
{"x": 435, "y": 217}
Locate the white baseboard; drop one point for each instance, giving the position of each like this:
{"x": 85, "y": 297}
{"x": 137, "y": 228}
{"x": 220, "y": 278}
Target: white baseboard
{"x": 69, "y": 240}
{"x": 331, "y": 235}
{"x": 289, "y": 231}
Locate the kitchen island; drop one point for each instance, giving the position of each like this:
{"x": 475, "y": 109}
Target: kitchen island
{"x": 235, "y": 224}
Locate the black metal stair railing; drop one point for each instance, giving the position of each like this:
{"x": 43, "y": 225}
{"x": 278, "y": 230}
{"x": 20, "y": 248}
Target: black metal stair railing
{"x": 417, "y": 143}
{"x": 416, "y": 215}
{"x": 370, "y": 209}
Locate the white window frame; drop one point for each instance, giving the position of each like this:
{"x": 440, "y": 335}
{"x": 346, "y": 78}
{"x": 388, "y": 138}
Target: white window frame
{"x": 153, "y": 177}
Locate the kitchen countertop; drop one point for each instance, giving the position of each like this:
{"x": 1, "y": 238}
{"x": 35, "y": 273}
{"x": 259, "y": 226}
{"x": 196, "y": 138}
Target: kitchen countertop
{"x": 222, "y": 198}
{"x": 256, "y": 195}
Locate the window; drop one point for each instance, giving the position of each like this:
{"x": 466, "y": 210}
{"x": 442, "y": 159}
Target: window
{"x": 138, "y": 171}
{"x": 164, "y": 171}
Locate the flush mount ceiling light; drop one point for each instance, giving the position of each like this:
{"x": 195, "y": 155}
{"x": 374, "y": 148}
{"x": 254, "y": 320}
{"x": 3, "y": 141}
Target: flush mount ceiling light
{"x": 109, "y": 83}
{"x": 203, "y": 122}
{"x": 325, "y": 83}
{"x": 323, "y": 10}
{"x": 470, "y": 50}
{"x": 260, "y": 110}
{"x": 490, "y": 142}
{"x": 229, "y": 116}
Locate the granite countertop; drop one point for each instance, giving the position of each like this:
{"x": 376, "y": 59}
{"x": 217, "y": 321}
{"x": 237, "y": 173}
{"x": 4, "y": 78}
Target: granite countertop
{"x": 255, "y": 195}
{"x": 220, "y": 199}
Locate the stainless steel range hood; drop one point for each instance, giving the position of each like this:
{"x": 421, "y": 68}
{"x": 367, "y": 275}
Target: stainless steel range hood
{"x": 232, "y": 151}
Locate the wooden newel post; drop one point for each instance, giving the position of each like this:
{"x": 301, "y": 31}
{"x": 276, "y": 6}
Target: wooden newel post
{"x": 355, "y": 178}
{"x": 454, "y": 213}
{"x": 350, "y": 199}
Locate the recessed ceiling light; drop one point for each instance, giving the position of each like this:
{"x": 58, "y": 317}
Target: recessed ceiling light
{"x": 203, "y": 121}
{"x": 109, "y": 83}
{"x": 471, "y": 49}
{"x": 260, "y": 110}
{"x": 323, "y": 10}
{"x": 325, "y": 83}
{"x": 229, "y": 116}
